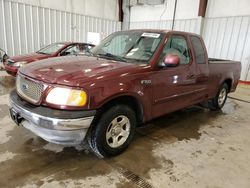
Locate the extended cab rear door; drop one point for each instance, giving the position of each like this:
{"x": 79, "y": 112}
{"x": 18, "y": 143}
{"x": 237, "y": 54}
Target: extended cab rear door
{"x": 201, "y": 61}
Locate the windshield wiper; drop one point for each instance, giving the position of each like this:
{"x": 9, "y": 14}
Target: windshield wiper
{"x": 112, "y": 56}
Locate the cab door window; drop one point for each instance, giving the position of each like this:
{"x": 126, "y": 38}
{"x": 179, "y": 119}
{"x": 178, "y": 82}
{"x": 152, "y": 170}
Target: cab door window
{"x": 177, "y": 45}
{"x": 70, "y": 50}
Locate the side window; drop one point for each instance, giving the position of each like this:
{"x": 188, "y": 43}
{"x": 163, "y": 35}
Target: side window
{"x": 76, "y": 49}
{"x": 177, "y": 45}
{"x": 70, "y": 50}
{"x": 198, "y": 50}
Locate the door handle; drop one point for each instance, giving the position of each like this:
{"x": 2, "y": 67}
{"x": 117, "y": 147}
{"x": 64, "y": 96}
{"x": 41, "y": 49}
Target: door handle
{"x": 190, "y": 76}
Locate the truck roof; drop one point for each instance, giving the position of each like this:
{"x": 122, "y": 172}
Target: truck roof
{"x": 68, "y": 43}
{"x": 164, "y": 31}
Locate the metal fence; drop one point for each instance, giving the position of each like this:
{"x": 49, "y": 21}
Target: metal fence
{"x": 25, "y": 28}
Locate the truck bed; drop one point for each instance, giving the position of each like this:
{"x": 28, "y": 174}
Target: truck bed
{"x": 215, "y": 60}
{"x": 221, "y": 69}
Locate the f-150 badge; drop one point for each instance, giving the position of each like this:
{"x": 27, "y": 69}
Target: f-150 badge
{"x": 146, "y": 81}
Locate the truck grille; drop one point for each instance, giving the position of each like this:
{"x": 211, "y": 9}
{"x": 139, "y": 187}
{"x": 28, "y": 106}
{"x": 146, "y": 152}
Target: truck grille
{"x": 28, "y": 89}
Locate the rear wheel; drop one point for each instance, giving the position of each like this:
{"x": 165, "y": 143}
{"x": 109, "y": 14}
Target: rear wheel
{"x": 219, "y": 100}
{"x": 113, "y": 132}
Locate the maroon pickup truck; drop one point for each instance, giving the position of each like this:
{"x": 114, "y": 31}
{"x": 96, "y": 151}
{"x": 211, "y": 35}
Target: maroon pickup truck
{"x": 130, "y": 78}
{"x": 53, "y": 50}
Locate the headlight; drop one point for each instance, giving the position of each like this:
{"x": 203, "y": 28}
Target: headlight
{"x": 67, "y": 97}
{"x": 19, "y": 63}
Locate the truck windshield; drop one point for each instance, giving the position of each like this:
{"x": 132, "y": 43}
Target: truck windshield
{"x": 51, "y": 49}
{"x": 132, "y": 46}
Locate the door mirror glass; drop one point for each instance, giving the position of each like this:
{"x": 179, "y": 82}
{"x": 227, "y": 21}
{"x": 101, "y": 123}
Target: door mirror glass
{"x": 171, "y": 60}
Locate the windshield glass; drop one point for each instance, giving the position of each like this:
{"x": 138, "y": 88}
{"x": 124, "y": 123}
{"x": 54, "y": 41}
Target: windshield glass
{"x": 129, "y": 46}
{"x": 50, "y": 49}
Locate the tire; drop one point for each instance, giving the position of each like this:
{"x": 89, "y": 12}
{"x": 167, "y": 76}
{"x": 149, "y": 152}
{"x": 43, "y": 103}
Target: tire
{"x": 219, "y": 100}
{"x": 5, "y": 57}
{"x": 112, "y": 132}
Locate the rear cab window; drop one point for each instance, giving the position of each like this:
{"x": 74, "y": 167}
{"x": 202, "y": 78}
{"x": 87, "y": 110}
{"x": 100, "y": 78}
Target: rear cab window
{"x": 198, "y": 50}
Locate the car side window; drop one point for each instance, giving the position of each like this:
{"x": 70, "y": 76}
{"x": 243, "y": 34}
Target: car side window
{"x": 177, "y": 45}
{"x": 70, "y": 50}
{"x": 198, "y": 50}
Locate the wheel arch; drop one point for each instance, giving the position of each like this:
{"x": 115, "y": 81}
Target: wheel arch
{"x": 229, "y": 82}
{"x": 126, "y": 99}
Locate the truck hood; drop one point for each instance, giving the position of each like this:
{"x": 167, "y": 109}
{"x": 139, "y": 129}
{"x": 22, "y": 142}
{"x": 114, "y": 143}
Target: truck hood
{"x": 74, "y": 70}
{"x": 29, "y": 57}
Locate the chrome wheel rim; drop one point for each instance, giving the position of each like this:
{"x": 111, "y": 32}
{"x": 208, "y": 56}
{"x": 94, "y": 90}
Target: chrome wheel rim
{"x": 222, "y": 96}
{"x": 118, "y": 131}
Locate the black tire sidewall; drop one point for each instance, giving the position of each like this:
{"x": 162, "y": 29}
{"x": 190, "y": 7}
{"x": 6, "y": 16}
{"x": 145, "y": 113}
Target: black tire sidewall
{"x": 5, "y": 57}
{"x": 217, "y": 96}
{"x": 98, "y": 135}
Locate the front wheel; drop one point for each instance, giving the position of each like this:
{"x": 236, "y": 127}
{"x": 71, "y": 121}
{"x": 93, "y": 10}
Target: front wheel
{"x": 219, "y": 100}
{"x": 113, "y": 132}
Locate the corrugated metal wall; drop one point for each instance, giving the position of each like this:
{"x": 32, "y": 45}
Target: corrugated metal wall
{"x": 225, "y": 37}
{"x": 188, "y": 25}
{"x": 26, "y": 28}
{"x": 229, "y": 38}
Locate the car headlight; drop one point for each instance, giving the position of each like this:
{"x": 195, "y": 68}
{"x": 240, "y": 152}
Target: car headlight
{"x": 19, "y": 63}
{"x": 67, "y": 97}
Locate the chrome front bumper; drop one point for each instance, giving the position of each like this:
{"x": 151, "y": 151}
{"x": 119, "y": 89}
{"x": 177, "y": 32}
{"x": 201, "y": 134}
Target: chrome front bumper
{"x": 66, "y": 131}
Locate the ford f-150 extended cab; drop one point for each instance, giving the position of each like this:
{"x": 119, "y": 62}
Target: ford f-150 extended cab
{"x": 130, "y": 78}
{"x": 12, "y": 64}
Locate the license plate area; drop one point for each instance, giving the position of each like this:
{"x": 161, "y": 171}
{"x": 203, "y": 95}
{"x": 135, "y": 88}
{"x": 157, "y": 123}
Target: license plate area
{"x": 15, "y": 116}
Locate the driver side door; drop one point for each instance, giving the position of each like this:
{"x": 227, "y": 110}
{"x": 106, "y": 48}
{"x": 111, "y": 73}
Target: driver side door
{"x": 174, "y": 87}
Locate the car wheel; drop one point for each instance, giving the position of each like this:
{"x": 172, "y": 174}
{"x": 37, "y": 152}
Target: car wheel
{"x": 219, "y": 100}
{"x": 113, "y": 131}
{"x": 5, "y": 57}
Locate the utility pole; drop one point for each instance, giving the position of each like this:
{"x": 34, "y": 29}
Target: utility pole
{"x": 175, "y": 4}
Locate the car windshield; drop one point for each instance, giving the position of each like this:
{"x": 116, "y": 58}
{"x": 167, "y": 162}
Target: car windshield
{"x": 131, "y": 46}
{"x": 51, "y": 49}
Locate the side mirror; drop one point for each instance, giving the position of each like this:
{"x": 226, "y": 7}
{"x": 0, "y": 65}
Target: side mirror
{"x": 171, "y": 60}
